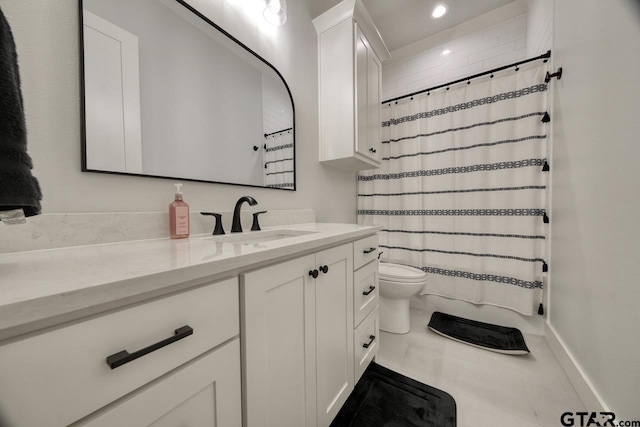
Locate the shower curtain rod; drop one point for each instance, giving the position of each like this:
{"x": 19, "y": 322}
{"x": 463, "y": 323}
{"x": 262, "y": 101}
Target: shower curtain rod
{"x": 278, "y": 131}
{"x": 544, "y": 56}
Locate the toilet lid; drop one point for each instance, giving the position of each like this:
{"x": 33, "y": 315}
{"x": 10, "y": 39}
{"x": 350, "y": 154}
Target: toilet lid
{"x": 401, "y": 273}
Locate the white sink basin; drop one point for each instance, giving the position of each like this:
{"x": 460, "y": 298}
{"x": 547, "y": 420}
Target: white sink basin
{"x": 253, "y": 237}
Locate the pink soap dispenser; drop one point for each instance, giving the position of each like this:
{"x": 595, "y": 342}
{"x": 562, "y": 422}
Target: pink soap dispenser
{"x": 179, "y": 216}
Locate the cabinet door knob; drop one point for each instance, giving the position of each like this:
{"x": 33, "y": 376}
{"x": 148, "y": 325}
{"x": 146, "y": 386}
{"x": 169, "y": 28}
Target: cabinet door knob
{"x": 368, "y": 251}
{"x": 373, "y": 150}
{"x": 324, "y": 268}
{"x": 371, "y": 288}
{"x": 371, "y": 339}
{"x": 313, "y": 273}
{"x": 122, "y": 357}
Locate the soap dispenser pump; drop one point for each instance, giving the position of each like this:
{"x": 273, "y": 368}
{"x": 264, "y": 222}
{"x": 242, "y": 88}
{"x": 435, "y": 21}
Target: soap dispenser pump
{"x": 179, "y": 216}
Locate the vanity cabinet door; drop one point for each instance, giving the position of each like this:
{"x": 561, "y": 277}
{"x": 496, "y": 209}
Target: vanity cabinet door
{"x": 334, "y": 325}
{"x": 278, "y": 329}
{"x": 298, "y": 339}
{"x": 203, "y": 393}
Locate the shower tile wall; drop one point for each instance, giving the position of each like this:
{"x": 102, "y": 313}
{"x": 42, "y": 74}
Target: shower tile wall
{"x": 501, "y": 43}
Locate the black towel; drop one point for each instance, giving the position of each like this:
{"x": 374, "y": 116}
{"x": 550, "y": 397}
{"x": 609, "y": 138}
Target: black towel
{"x": 19, "y": 189}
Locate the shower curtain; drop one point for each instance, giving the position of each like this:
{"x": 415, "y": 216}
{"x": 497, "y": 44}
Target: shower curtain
{"x": 461, "y": 193}
{"x": 278, "y": 159}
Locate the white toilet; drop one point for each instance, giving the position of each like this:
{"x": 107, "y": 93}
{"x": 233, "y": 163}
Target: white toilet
{"x": 398, "y": 283}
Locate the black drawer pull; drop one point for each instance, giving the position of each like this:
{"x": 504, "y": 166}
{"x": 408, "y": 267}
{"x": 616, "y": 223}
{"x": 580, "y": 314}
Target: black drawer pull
{"x": 122, "y": 357}
{"x": 371, "y": 288}
{"x": 368, "y": 251}
{"x": 371, "y": 339}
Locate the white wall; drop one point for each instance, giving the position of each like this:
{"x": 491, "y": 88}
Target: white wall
{"x": 539, "y": 26}
{"x": 46, "y": 33}
{"x": 595, "y": 296}
{"x": 493, "y": 39}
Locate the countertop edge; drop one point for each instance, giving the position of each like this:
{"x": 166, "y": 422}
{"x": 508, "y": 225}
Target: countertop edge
{"x": 32, "y": 315}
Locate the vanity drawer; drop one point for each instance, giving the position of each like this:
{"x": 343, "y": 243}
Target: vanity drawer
{"x": 364, "y": 251}
{"x": 65, "y": 371}
{"x": 365, "y": 343}
{"x": 365, "y": 291}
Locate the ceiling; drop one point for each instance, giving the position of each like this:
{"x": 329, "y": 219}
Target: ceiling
{"x": 402, "y": 22}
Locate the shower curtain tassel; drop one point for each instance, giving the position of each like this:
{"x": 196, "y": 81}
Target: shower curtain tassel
{"x": 546, "y": 118}
{"x": 545, "y": 267}
{"x": 545, "y": 218}
{"x": 545, "y": 167}
{"x": 541, "y": 309}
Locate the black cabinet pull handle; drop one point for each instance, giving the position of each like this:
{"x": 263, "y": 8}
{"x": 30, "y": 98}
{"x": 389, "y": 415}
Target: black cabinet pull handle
{"x": 122, "y": 357}
{"x": 313, "y": 273}
{"x": 324, "y": 268}
{"x": 368, "y": 251}
{"x": 371, "y": 288}
{"x": 371, "y": 339}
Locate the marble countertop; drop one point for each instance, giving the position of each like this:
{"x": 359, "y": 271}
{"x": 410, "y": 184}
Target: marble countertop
{"x": 47, "y": 287}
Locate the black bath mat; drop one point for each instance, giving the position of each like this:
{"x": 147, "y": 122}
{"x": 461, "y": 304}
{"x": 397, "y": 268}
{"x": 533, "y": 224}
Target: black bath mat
{"x": 484, "y": 335}
{"x": 384, "y": 398}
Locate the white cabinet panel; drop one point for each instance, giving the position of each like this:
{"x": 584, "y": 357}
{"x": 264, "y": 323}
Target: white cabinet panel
{"x": 73, "y": 358}
{"x": 365, "y": 291}
{"x": 366, "y": 339}
{"x": 204, "y": 393}
{"x": 297, "y": 333}
{"x": 334, "y": 320}
{"x": 362, "y": 93}
{"x": 349, "y": 55}
{"x": 278, "y": 332}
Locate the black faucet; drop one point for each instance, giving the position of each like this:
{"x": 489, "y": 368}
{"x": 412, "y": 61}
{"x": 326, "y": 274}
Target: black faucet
{"x": 236, "y": 227}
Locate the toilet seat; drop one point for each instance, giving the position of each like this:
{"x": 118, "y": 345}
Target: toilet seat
{"x": 396, "y": 273}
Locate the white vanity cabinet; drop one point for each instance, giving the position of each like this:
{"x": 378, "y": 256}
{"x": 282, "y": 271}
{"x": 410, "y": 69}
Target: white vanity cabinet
{"x": 298, "y": 343}
{"x": 365, "y": 304}
{"x": 61, "y": 376}
{"x": 350, "y": 54}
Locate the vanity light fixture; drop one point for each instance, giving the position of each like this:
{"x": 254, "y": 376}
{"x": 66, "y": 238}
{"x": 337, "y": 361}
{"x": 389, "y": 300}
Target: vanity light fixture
{"x": 276, "y": 12}
{"x": 446, "y": 52}
{"x": 439, "y": 11}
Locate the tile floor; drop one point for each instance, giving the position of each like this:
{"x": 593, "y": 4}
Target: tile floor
{"x": 490, "y": 389}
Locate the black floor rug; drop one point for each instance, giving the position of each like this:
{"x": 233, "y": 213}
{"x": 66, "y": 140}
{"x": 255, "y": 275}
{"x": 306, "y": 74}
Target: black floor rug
{"x": 384, "y": 398}
{"x": 484, "y": 335}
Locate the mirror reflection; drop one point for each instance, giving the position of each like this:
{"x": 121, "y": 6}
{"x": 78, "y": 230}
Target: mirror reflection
{"x": 167, "y": 94}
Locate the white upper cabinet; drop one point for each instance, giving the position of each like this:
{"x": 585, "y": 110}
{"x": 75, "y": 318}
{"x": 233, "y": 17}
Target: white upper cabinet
{"x": 350, "y": 52}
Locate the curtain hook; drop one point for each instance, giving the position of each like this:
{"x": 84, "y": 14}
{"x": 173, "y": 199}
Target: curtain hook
{"x": 491, "y": 76}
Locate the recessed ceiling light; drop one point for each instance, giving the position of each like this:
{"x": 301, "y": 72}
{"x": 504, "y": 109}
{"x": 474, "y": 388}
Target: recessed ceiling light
{"x": 446, "y": 52}
{"x": 439, "y": 11}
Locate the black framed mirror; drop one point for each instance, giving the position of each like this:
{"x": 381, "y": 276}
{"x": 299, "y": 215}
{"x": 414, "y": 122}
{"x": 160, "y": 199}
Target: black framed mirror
{"x": 167, "y": 93}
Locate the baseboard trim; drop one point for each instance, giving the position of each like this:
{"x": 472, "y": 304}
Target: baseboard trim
{"x": 585, "y": 389}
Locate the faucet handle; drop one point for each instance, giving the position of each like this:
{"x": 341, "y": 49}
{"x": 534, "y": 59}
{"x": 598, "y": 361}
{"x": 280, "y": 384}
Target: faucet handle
{"x": 218, "y": 227}
{"x": 255, "y": 226}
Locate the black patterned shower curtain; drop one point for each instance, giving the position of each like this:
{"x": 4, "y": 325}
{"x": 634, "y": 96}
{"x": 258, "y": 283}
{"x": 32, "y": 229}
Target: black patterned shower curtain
{"x": 462, "y": 191}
